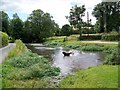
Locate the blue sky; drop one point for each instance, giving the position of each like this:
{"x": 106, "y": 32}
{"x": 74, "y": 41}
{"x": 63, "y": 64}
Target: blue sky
{"x": 57, "y": 8}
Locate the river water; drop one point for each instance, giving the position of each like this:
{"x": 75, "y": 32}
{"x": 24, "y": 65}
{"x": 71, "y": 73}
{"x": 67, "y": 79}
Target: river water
{"x": 68, "y": 64}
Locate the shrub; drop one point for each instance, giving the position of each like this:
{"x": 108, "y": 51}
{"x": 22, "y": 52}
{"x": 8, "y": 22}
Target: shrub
{"x": 25, "y": 60}
{"x": 30, "y": 65}
{"x": 4, "y": 38}
{"x": 91, "y": 37}
{"x": 92, "y": 48}
{"x": 72, "y": 46}
{"x": 110, "y": 37}
{"x": 113, "y": 58}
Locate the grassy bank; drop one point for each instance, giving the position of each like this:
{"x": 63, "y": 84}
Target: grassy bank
{"x": 84, "y": 46}
{"x": 103, "y": 76}
{"x": 24, "y": 69}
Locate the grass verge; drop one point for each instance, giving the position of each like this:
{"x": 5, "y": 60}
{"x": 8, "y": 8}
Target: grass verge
{"x": 24, "y": 69}
{"x": 103, "y": 76}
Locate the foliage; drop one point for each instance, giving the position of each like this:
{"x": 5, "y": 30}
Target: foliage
{"x": 23, "y": 66}
{"x": 110, "y": 37}
{"x": 75, "y": 18}
{"x": 91, "y": 37}
{"x": 3, "y": 39}
{"x": 66, "y": 30}
{"x": 107, "y": 15}
{"x": 28, "y": 66}
{"x": 33, "y": 83}
{"x": 5, "y": 22}
{"x": 113, "y": 58}
{"x": 16, "y": 26}
{"x": 92, "y": 48}
{"x": 39, "y": 26}
{"x": 98, "y": 28}
{"x": 103, "y": 76}
{"x": 26, "y": 60}
{"x": 19, "y": 49}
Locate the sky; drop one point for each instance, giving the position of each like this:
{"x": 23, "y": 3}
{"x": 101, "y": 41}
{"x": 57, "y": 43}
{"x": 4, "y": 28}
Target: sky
{"x": 57, "y": 8}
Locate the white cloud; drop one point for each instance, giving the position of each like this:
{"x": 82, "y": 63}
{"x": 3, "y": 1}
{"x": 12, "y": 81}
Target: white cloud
{"x": 57, "y": 8}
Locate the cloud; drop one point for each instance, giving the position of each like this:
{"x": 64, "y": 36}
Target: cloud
{"x": 57, "y": 8}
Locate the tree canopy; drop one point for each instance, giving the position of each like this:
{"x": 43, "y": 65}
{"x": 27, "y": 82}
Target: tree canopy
{"x": 108, "y": 16}
{"x": 66, "y": 30}
{"x": 40, "y": 25}
{"x": 75, "y": 18}
{"x": 16, "y": 27}
{"x": 5, "y": 22}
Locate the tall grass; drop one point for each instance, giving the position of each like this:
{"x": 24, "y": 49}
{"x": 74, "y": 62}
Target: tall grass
{"x": 26, "y": 69}
{"x": 19, "y": 49}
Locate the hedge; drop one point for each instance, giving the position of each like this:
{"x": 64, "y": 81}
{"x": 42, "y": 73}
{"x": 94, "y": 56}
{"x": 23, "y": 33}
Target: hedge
{"x": 110, "y": 37}
{"x": 3, "y": 39}
{"x": 91, "y": 37}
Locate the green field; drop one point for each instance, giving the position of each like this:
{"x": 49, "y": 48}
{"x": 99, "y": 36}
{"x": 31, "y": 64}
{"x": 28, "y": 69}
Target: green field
{"x": 103, "y": 76}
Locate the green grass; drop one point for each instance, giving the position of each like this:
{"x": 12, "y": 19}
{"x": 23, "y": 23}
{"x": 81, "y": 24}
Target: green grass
{"x": 103, "y": 76}
{"x": 19, "y": 49}
{"x": 24, "y": 69}
{"x": 84, "y": 46}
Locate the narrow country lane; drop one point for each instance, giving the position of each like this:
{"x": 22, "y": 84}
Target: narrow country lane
{"x": 102, "y": 42}
{"x": 5, "y": 50}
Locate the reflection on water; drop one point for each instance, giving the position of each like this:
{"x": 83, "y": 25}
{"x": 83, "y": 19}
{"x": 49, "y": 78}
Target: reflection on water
{"x": 77, "y": 60}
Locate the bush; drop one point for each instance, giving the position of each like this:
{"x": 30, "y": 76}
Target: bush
{"x": 25, "y": 60}
{"x": 4, "y": 38}
{"x": 110, "y": 37}
{"x": 92, "y": 48}
{"x": 72, "y": 46}
{"x": 113, "y": 58}
{"x": 28, "y": 66}
{"x": 91, "y": 37}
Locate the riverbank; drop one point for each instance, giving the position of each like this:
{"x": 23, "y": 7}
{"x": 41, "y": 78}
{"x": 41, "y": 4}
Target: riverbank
{"x": 24, "y": 69}
{"x": 101, "y": 76}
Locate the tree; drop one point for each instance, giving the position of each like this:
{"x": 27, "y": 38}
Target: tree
{"x": 107, "y": 14}
{"x": 57, "y": 30}
{"x": 97, "y": 27}
{"x": 75, "y": 18}
{"x": 27, "y": 32}
{"x": 5, "y": 22}
{"x": 66, "y": 30}
{"x": 16, "y": 27}
{"x": 41, "y": 25}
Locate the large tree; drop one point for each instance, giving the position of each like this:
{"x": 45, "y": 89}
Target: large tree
{"x": 16, "y": 26}
{"x": 40, "y": 25}
{"x": 66, "y": 30}
{"x": 75, "y": 18}
{"x": 107, "y": 14}
{"x": 5, "y": 22}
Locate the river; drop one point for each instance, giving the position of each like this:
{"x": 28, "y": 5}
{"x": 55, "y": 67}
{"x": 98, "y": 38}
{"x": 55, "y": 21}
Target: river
{"x": 68, "y": 64}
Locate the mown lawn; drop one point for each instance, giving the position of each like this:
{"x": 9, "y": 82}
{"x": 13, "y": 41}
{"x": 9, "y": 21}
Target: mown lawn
{"x": 103, "y": 76}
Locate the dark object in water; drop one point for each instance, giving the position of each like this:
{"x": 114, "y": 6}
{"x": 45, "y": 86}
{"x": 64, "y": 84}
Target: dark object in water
{"x": 67, "y": 53}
